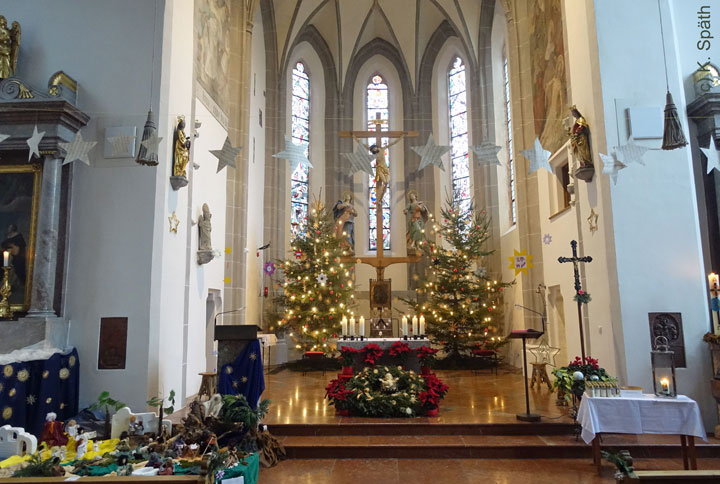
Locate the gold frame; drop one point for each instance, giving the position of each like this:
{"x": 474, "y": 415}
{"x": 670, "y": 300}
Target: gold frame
{"x": 386, "y": 286}
{"x": 37, "y": 181}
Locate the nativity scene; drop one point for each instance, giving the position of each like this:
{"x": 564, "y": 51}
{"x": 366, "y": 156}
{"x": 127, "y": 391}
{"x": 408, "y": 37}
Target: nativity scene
{"x": 378, "y": 240}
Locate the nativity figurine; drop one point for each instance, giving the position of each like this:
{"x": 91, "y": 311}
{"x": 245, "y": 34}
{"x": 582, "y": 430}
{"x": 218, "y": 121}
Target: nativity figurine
{"x": 181, "y": 155}
{"x": 205, "y": 250}
{"x": 344, "y": 214}
{"x": 580, "y": 143}
{"x": 52, "y": 433}
{"x": 9, "y": 48}
{"x": 418, "y": 216}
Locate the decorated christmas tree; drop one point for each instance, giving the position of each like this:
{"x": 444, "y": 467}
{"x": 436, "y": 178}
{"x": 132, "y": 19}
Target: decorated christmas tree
{"x": 461, "y": 303}
{"x": 317, "y": 286}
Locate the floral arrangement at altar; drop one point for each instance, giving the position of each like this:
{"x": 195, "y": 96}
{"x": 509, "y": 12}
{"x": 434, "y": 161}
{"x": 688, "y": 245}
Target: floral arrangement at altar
{"x": 570, "y": 379}
{"x": 372, "y": 353}
{"x": 387, "y": 391}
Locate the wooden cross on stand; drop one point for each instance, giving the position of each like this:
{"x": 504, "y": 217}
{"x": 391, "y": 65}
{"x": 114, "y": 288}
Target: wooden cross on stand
{"x": 575, "y": 260}
{"x": 380, "y": 262}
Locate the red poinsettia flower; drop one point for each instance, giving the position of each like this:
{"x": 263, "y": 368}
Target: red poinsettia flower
{"x": 372, "y": 353}
{"x": 399, "y": 348}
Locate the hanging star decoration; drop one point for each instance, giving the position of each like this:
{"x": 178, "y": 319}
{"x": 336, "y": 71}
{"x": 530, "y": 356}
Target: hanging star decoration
{"x": 151, "y": 144}
{"x": 487, "y": 153}
{"x": 226, "y": 156}
{"x": 322, "y": 278}
{"x": 481, "y": 272}
{"x": 520, "y": 261}
{"x": 631, "y": 153}
{"x": 360, "y": 161}
{"x": 269, "y": 268}
{"x": 77, "y": 149}
{"x": 593, "y": 221}
{"x": 713, "y": 157}
{"x": 538, "y": 157}
{"x": 3, "y": 137}
{"x": 547, "y": 239}
{"x": 430, "y": 154}
{"x": 121, "y": 145}
{"x": 544, "y": 353}
{"x": 611, "y": 166}
{"x": 295, "y": 154}
{"x": 34, "y": 143}
{"x": 174, "y": 222}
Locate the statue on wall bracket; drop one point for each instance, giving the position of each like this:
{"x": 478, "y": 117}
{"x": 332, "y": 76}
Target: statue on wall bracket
{"x": 9, "y": 48}
{"x": 181, "y": 155}
{"x": 580, "y": 142}
{"x": 205, "y": 251}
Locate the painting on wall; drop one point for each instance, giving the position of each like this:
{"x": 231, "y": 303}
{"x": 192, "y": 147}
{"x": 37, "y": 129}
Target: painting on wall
{"x": 547, "y": 53}
{"x": 19, "y": 192}
{"x": 212, "y": 51}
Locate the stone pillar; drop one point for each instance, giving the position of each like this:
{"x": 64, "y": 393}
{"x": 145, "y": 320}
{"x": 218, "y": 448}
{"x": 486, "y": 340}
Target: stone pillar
{"x": 46, "y": 241}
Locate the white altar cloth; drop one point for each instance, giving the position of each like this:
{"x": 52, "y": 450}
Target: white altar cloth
{"x": 644, "y": 415}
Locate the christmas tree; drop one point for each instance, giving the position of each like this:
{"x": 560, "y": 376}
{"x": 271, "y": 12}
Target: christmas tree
{"x": 461, "y": 303}
{"x": 317, "y": 287}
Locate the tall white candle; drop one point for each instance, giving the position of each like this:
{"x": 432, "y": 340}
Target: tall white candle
{"x": 414, "y": 325}
{"x": 343, "y": 325}
{"x": 404, "y": 326}
{"x": 362, "y": 326}
{"x": 422, "y": 324}
{"x": 6, "y": 258}
{"x": 352, "y": 326}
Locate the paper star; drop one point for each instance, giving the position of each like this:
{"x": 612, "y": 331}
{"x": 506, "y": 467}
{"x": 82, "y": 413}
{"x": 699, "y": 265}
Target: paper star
{"x": 121, "y": 145}
{"x": 430, "y": 153}
{"x": 151, "y": 144}
{"x": 520, "y": 261}
{"x": 547, "y": 239}
{"x": 611, "y": 166}
{"x": 31, "y": 399}
{"x": 538, "y": 157}
{"x": 33, "y": 142}
{"x": 226, "y": 156}
{"x": 544, "y": 353}
{"x": 360, "y": 161}
{"x": 486, "y": 153}
{"x": 3, "y": 137}
{"x": 295, "y": 154}
{"x": 174, "y": 222}
{"x": 593, "y": 221}
{"x": 631, "y": 153}
{"x": 713, "y": 157}
{"x": 77, "y": 149}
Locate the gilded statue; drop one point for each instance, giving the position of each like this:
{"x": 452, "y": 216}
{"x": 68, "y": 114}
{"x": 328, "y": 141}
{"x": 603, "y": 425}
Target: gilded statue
{"x": 382, "y": 171}
{"x": 580, "y": 138}
{"x": 9, "y": 48}
{"x": 419, "y": 215}
{"x": 181, "y": 149}
{"x": 344, "y": 214}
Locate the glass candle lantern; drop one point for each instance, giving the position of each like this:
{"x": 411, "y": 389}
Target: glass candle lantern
{"x": 663, "y": 367}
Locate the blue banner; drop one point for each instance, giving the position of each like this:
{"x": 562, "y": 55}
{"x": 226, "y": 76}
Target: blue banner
{"x": 244, "y": 375}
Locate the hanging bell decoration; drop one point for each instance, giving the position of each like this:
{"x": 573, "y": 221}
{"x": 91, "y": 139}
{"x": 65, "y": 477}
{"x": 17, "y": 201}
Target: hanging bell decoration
{"x": 673, "y": 136}
{"x": 148, "y": 157}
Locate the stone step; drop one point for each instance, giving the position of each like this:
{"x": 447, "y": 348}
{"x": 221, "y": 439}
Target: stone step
{"x": 403, "y": 427}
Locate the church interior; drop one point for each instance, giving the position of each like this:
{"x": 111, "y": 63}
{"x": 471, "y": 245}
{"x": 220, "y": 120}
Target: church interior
{"x": 329, "y": 241}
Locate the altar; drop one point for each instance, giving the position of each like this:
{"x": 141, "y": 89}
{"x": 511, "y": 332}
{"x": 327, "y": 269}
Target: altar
{"x": 411, "y": 361}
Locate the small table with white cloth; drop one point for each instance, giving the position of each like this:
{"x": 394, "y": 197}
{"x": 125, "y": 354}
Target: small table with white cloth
{"x": 646, "y": 414}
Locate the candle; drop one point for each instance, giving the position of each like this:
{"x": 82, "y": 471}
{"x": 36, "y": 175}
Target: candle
{"x": 352, "y": 326}
{"x": 665, "y": 384}
{"x": 415, "y": 325}
{"x": 404, "y": 326}
{"x": 6, "y": 258}
{"x": 362, "y": 326}
{"x": 422, "y": 324}
{"x": 714, "y": 283}
{"x": 343, "y": 325}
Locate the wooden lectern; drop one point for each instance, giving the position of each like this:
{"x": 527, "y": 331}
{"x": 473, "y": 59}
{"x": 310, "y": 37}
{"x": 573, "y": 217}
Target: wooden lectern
{"x": 232, "y": 338}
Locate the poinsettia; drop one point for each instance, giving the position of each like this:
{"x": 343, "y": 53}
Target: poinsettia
{"x": 372, "y": 353}
{"x": 436, "y": 385}
{"x": 399, "y": 349}
{"x": 347, "y": 355}
{"x": 429, "y": 399}
{"x": 426, "y": 355}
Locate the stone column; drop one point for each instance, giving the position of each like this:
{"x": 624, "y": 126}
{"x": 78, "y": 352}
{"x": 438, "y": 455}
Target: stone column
{"x": 46, "y": 241}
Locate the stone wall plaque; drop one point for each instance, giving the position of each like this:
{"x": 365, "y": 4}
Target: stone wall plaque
{"x": 670, "y": 326}
{"x": 112, "y": 350}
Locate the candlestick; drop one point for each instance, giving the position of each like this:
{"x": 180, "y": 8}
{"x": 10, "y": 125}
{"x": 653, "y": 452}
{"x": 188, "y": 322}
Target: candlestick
{"x": 5, "y": 291}
{"x": 6, "y": 258}
{"x": 352, "y": 326}
{"x": 362, "y": 326}
{"x": 404, "y": 326}
{"x": 414, "y": 325}
{"x": 422, "y": 325}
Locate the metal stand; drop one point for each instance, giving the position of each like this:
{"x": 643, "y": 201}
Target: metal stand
{"x": 525, "y": 335}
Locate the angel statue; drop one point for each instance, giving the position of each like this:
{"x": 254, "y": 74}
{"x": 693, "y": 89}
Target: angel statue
{"x": 382, "y": 172}
{"x": 9, "y": 48}
{"x": 344, "y": 214}
{"x": 419, "y": 215}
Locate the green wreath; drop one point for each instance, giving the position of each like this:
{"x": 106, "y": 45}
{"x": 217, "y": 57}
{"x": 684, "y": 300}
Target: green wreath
{"x": 374, "y": 394}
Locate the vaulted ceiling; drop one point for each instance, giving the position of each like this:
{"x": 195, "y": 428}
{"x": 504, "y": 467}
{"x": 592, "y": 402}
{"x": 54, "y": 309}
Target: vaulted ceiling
{"x": 347, "y": 25}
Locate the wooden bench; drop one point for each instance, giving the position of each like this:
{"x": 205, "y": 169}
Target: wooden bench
{"x": 486, "y": 356}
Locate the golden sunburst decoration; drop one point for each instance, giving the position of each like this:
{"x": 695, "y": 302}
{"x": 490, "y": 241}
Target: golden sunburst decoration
{"x": 72, "y": 360}
{"x": 45, "y": 374}
{"x": 64, "y": 373}
{"x": 8, "y": 371}
{"x": 7, "y": 413}
{"x": 23, "y": 375}
{"x": 520, "y": 261}
{"x": 48, "y": 400}
{"x": 12, "y": 392}
{"x": 228, "y": 370}
{"x": 244, "y": 379}
{"x": 253, "y": 356}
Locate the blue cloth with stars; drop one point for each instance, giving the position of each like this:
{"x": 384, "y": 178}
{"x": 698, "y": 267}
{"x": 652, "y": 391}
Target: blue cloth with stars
{"x": 244, "y": 375}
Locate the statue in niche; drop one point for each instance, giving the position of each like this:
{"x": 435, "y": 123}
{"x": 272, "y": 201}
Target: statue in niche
{"x": 344, "y": 214}
{"x": 9, "y": 48}
{"x": 205, "y": 250}
{"x": 181, "y": 155}
{"x": 419, "y": 215}
{"x": 580, "y": 143}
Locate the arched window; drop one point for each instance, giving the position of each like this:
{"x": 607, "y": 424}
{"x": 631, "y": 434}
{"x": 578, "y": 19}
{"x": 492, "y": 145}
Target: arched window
{"x": 509, "y": 135}
{"x": 457, "y": 101}
{"x": 378, "y": 103}
{"x": 300, "y": 134}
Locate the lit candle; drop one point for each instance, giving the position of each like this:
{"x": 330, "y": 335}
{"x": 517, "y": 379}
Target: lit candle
{"x": 343, "y": 325}
{"x": 422, "y": 324}
{"x": 714, "y": 283}
{"x": 352, "y": 326}
{"x": 665, "y": 384}
{"x": 404, "y": 326}
{"x": 362, "y": 326}
{"x": 6, "y": 258}
{"x": 414, "y": 325}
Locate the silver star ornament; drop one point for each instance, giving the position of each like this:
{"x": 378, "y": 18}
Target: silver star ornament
{"x": 226, "y": 156}
{"x": 487, "y": 153}
{"x": 151, "y": 144}
{"x": 77, "y": 149}
{"x": 713, "y": 157}
{"x": 34, "y": 143}
{"x": 631, "y": 153}
{"x": 430, "y": 154}
{"x": 295, "y": 154}
{"x": 360, "y": 161}
{"x": 538, "y": 157}
{"x": 611, "y": 166}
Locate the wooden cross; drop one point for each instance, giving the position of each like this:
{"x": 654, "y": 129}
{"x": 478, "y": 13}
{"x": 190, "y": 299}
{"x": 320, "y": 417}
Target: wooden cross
{"x": 575, "y": 260}
{"x": 380, "y": 262}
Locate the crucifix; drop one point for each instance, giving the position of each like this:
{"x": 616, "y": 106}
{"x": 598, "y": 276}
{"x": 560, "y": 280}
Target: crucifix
{"x": 575, "y": 260}
{"x": 382, "y": 179}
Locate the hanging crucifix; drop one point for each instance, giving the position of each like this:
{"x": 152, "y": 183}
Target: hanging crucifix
{"x": 380, "y": 288}
{"x": 575, "y": 260}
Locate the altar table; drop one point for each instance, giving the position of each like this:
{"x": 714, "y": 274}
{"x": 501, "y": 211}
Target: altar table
{"x": 642, "y": 415}
{"x": 411, "y": 360}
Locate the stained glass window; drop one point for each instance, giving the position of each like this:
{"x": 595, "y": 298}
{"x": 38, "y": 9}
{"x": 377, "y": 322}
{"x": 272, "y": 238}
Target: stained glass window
{"x": 300, "y": 135}
{"x": 378, "y": 103}
{"x": 509, "y": 132}
{"x": 459, "y": 143}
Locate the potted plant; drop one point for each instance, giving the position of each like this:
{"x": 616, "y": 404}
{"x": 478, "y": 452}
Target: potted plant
{"x": 105, "y": 402}
{"x": 338, "y": 395}
{"x": 435, "y": 392}
{"x": 400, "y": 350}
{"x": 426, "y": 355}
{"x": 570, "y": 379}
{"x": 347, "y": 356}
{"x": 372, "y": 353}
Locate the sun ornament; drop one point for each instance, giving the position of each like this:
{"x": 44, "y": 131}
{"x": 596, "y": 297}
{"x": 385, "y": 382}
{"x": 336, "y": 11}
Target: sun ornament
{"x": 23, "y": 375}
{"x": 8, "y": 371}
{"x": 64, "y": 373}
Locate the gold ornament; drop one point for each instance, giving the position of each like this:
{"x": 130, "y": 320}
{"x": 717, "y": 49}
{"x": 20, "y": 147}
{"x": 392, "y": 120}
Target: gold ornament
{"x": 45, "y": 374}
{"x": 48, "y": 400}
{"x": 64, "y": 373}
{"x": 7, "y": 413}
{"x": 72, "y": 360}
{"x": 8, "y": 371}
{"x": 23, "y": 375}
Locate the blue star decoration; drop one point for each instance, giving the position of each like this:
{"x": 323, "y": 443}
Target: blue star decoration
{"x": 486, "y": 153}
{"x": 538, "y": 157}
{"x": 226, "y": 156}
{"x": 360, "y": 161}
{"x": 295, "y": 154}
{"x": 430, "y": 154}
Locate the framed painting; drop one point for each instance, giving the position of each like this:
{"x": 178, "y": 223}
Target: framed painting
{"x": 19, "y": 194}
{"x": 380, "y": 294}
